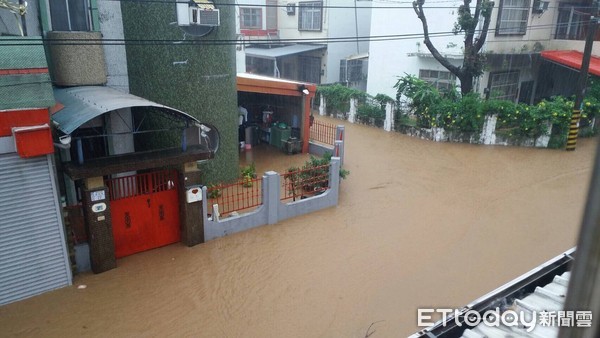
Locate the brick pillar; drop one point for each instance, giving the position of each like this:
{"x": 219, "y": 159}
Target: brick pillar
{"x": 96, "y": 208}
{"x": 191, "y": 217}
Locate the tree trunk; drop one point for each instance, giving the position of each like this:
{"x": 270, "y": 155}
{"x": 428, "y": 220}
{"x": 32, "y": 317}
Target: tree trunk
{"x": 466, "y": 83}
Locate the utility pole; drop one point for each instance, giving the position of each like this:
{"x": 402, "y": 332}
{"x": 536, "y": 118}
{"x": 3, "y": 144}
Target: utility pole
{"x": 582, "y": 83}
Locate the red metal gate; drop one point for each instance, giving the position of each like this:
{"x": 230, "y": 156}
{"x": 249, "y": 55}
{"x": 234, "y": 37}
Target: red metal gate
{"x": 145, "y": 211}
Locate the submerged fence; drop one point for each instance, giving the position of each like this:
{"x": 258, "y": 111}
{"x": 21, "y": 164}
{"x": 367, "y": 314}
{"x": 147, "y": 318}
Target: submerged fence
{"x": 246, "y": 193}
{"x": 301, "y": 183}
{"x": 323, "y": 132}
{"x": 277, "y": 201}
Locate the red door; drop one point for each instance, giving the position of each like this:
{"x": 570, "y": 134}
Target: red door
{"x": 145, "y": 211}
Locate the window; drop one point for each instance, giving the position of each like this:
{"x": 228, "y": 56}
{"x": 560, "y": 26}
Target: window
{"x": 309, "y": 69}
{"x": 250, "y": 18}
{"x": 504, "y": 86}
{"x": 70, "y": 15}
{"x": 310, "y": 15}
{"x": 512, "y": 17}
{"x": 571, "y": 23}
{"x": 353, "y": 70}
{"x": 440, "y": 79}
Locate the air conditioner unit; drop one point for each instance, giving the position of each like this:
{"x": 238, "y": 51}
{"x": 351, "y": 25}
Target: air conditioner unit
{"x": 204, "y": 17}
{"x": 539, "y": 6}
{"x": 290, "y": 9}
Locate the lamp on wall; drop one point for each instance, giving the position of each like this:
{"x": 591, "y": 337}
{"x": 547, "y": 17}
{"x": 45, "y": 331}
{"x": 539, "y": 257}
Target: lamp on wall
{"x": 303, "y": 89}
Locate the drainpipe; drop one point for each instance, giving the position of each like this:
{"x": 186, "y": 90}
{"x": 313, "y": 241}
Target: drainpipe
{"x": 23, "y": 20}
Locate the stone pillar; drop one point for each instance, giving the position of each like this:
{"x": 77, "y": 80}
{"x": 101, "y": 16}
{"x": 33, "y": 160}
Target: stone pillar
{"x": 191, "y": 216}
{"x": 338, "y": 151}
{"x": 98, "y": 222}
{"x": 340, "y": 132}
{"x": 322, "y": 106}
{"x": 488, "y": 134}
{"x": 352, "y": 112}
{"x": 388, "y": 125}
{"x": 544, "y": 139}
{"x": 271, "y": 196}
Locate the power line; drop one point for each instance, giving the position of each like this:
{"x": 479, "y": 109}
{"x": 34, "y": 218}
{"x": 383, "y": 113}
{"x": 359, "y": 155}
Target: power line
{"x": 332, "y": 6}
{"x": 219, "y": 42}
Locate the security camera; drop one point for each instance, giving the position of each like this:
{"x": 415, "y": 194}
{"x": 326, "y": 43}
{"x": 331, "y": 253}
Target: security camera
{"x": 305, "y": 91}
{"x": 204, "y": 128}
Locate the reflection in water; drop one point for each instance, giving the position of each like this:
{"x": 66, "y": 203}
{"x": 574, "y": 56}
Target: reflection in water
{"x": 419, "y": 224}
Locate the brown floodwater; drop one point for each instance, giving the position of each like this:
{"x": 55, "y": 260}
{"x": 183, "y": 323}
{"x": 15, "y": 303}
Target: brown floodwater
{"x": 419, "y": 224}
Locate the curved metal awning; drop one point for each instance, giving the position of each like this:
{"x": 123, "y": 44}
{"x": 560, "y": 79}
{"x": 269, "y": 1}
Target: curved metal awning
{"x": 82, "y": 104}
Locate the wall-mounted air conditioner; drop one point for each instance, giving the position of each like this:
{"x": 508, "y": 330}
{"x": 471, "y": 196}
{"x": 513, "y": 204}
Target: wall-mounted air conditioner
{"x": 290, "y": 9}
{"x": 204, "y": 17}
{"x": 539, "y": 6}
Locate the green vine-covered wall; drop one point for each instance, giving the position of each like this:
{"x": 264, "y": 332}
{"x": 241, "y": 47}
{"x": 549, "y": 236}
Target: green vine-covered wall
{"x": 198, "y": 78}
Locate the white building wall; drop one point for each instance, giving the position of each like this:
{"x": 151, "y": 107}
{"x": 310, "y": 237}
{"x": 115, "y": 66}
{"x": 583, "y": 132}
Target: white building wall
{"x": 344, "y": 22}
{"x": 337, "y": 23}
{"x": 111, "y": 26}
{"x": 541, "y": 29}
{"x": 389, "y": 59}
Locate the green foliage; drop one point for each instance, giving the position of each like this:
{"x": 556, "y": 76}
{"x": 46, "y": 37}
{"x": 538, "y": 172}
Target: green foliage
{"x": 338, "y": 97}
{"x": 467, "y": 113}
{"x": 214, "y": 191}
{"x": 247, "y": 174}
{"x": 366, "y": 111}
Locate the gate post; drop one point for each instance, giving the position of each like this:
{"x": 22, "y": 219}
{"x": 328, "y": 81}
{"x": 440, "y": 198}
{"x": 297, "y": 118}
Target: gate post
{"x": 191, "y": 216}
{"x": 98, "y": 224}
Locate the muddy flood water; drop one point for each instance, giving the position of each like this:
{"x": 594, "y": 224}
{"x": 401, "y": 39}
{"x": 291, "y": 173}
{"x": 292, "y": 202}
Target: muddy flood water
{"x": 419, "y": 224}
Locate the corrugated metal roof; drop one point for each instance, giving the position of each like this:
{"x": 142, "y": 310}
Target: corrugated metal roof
{"x": 272, "y": 53}
{"x": 549, "y": 298}
{"x": 22, "y": 53}
{"x": 525, "y": 294}
{"x": 573, "y": 59}
{"x": 82, "y": 104}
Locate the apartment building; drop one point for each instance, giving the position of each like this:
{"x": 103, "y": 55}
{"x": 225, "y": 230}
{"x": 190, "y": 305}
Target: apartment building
{"x": 536, "y": 48}
{"x": 308, "y": 41}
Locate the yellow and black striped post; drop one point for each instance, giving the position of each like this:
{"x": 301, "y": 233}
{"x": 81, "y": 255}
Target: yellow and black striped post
{"x": 582, "y": 82}
{"x": 573, "y": 130}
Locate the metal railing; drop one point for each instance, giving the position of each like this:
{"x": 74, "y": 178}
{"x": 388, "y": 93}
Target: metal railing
{"x": 322, "y": 132}
{"x": 243, "y": 194}
{"x": 305, "y": 182}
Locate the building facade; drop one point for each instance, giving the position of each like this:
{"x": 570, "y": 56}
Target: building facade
{"x": 305, "y": 41}
{"x": 137, "y": 107}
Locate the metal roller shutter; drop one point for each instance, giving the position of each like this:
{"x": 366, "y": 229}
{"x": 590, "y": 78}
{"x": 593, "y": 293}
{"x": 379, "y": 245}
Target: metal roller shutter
{"x": 33, "y": 256}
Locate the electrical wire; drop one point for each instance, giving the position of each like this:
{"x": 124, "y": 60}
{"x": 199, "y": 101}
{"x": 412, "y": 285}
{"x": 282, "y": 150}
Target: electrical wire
{"x": 325, "y": 6}
{"x": 220, "y": 42}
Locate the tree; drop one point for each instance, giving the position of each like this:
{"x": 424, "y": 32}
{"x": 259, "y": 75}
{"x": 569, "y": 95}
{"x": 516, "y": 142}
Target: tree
{"x": 467, "y": 22}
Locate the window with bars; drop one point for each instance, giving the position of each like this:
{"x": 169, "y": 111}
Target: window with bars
{"x": 310, "y": 16}
{"x": 512, "y": 17}
{"x": 309, "y": 69}
{"x": 352, "y": 70}
{"x": 440, "y": 79}
{"x": 504, "y": 86}
{"x": 250, "y": 18}
{"x": 70, "y": 15}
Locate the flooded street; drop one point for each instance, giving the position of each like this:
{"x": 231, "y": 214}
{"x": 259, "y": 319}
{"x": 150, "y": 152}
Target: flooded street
{"x": 419, "y": 224}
